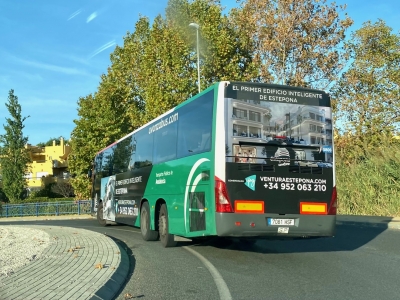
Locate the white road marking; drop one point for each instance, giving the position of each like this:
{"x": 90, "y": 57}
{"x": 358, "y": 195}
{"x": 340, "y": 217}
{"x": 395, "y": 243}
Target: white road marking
{"x": 224, "y": 293}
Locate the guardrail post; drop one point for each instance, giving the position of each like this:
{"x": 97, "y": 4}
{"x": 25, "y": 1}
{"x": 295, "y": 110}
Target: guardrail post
{"x": 37, "y": 209}
{"x": 79, "y": 207}
{"x": 20, "y": 210}
{"x": 6, "y": 211}
{"x": 57, "y": 209}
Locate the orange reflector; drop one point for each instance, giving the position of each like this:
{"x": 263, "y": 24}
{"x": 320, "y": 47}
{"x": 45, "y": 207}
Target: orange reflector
{"x": 238, "y": 223}
{"x": 249, "y": 207}
{"x": 252, "y": 224}
{"x": 312, "y": 208}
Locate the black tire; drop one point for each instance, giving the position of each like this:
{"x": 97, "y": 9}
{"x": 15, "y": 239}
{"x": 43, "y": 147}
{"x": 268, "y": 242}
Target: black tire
{"x": 100, "y": 217}
{"x": 167, "y": 240}
{"x": 147, "y": 233}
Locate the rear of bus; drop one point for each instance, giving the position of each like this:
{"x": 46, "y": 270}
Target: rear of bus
{"x": 278, "y": 176}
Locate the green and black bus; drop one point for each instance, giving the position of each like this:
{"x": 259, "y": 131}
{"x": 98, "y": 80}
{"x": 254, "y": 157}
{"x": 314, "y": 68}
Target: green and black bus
{"x": 240, "y": 159}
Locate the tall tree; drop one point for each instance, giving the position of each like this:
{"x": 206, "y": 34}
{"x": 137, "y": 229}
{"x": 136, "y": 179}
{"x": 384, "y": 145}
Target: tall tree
{"x": 14, "y": 156}
{"x": 226, "y": 52}
{"x": 297, "y": 41}
{"x": 367, "y": 95}
{"x": 154, "y": 71}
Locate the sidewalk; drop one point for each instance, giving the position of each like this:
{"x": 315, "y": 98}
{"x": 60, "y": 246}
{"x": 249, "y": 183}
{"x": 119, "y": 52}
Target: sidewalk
{"x": 41, "y": 218}
{"x": 389, "y": 222}
{"x": 78, "y": 264}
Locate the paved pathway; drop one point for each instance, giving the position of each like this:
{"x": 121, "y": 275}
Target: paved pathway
{"x": 78, "y": 264}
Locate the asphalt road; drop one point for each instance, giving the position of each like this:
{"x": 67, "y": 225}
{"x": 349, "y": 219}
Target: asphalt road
{"x": 361, "y": 262}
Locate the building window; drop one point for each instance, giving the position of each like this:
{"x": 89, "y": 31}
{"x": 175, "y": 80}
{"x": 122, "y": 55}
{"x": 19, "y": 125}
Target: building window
{"x": 255, "y": 132}
{"x": 313, "y": 128}
{"x": 312, "y": 139}
{"x": 239, "y": 113}
{"x": 319, "y": 129}
{"x": 240, "y": 130}
{"x": 319, "y": 118}
{"x": 254, "y": 116}
{"x": 312, "y": 116}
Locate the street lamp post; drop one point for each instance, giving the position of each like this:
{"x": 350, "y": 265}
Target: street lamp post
{"x": 197, "y": 26}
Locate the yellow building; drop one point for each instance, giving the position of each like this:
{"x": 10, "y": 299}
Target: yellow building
{"x": 48, "y": 164}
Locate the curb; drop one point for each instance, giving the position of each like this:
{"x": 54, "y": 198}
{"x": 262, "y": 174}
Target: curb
{"x": 114, "y": 285}
{"x": 45, "y": 218}
{"x": 372, "y": 221}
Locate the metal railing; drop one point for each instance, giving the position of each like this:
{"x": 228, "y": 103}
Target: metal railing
{"x": 45, "y": 209}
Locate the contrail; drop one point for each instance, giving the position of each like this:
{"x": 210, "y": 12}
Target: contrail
{"x": 75, "y": 14}
{"x": 102, "y": 48}
{"x": 91, "y": 17}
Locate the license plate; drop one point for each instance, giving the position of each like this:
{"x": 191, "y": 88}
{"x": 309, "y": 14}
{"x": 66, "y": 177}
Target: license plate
{"x": 279, "y": 222}
{"x": 283, "y": 229}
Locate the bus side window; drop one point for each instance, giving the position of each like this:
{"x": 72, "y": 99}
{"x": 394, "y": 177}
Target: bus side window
{"x": 165, "y": 143}
{"x": 132, "y": 148}
{"x": 195, "y": 126}
{"x": 144, "y": 149}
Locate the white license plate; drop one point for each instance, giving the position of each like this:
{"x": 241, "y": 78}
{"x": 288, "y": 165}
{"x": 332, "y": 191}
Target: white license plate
{"x": 280, "y": 222}
{"x": 283, "y": 229}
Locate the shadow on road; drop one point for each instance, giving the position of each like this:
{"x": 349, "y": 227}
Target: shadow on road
{"x": 348, "y": 238}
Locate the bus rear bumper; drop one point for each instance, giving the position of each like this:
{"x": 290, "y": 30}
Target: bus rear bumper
{"x": 252, "y": 225}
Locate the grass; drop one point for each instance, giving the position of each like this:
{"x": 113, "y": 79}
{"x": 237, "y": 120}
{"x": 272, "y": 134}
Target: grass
{"x": 369, "y": 185}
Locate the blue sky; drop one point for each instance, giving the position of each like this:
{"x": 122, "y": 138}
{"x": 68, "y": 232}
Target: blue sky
{"x": 53, "y": 52}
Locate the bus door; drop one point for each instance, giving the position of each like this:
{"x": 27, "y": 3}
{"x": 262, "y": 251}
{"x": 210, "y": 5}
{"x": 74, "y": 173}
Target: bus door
{"x": 199, "y": 202}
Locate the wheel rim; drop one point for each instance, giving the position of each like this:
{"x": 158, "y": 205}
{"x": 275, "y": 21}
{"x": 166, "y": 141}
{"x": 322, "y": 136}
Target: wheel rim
{"x": 163, "y": 225}
{"x": 143, "y": 221}
{"x": 100, "y": 213}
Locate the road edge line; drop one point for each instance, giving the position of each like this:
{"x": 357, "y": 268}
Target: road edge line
{"x": 222, "y": 287}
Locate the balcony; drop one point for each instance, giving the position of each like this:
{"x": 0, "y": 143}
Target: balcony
{"x": 245, "y": 119}
{"x": 247, "y": 135}
{"x": 260, "y": 106}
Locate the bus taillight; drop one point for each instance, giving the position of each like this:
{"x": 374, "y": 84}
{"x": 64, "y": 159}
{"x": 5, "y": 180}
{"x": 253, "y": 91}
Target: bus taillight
{"x": 333, "y": 205}
{"x": 222, "y": 202}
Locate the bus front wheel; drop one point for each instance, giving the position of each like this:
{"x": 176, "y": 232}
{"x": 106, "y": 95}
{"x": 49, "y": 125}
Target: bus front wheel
{"x": 167, "y": 239}
{"x": 147, "y": 233}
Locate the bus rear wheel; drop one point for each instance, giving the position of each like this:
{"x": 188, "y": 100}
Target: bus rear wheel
{"x": 100, "y": 217}
{"x": 147, "y": 233}
{"x": 167, "y": 239}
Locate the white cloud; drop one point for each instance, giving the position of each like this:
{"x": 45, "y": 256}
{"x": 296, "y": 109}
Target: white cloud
{"x": 91, "y": 17}
{"x": 102, "y": 48}
{"x": 54, "y": 68}
{"x": 75, "y": 14}
{"x": 51, "y": 105}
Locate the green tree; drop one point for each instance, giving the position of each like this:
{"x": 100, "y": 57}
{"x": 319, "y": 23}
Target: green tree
{"x": 226, "y": 52}
{"x": 50, "y": 142}
{"x": 297, "y": 42}
{"x": 14, "y": 156}
{"x": 152, "y": 72}
{"x": 367, "y": 95}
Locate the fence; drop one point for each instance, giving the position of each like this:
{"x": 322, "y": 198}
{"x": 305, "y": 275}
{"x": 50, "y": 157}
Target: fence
{"x": 45, "y": 209}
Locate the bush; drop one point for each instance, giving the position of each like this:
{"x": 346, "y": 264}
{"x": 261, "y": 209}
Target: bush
{"x": 44, "y": 192}
{"x": 3, "y": 197}
{"x": 43, "y": 199}
{"x": 63, "y": 188}
{"x": 369, "y": 184}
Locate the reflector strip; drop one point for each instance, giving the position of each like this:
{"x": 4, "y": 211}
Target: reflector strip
{"x": 312, "y": 208}
{"x": 250, "y": 207}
